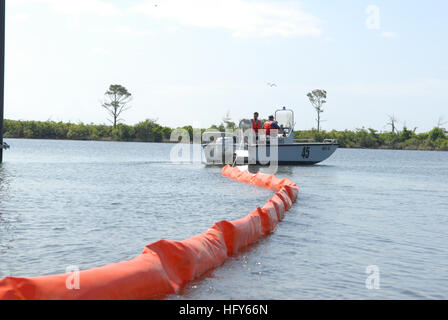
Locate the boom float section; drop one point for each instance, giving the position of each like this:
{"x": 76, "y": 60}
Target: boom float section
{"x": 164, "y": 267}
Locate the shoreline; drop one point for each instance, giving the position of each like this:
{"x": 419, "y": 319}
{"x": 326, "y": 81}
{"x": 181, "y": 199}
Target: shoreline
{"x": 174, "y": 142}
{"x": 150, "y": 131}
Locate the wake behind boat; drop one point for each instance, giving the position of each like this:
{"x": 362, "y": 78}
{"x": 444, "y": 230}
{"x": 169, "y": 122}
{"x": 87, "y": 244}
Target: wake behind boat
{"x": 222, "y": 148}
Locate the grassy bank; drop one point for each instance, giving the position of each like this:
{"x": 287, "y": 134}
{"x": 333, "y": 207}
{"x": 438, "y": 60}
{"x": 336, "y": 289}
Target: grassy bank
{"x": 151, "y": 131}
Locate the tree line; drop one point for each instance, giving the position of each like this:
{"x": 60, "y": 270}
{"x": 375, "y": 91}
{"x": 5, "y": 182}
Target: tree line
{"x": 145, "y": 131}
{"x": 436, "y": 139}
{"x": 150, "y": 131}
{"x": 117, "y": 99}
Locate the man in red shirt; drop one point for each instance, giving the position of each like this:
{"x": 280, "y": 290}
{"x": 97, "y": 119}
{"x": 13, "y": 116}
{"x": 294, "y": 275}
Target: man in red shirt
{"x": 256, "y": 124}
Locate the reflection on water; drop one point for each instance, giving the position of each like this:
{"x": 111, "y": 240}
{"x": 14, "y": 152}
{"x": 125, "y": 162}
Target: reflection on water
{"x": 93, "y": 203}
{"x": 7, "y": 233}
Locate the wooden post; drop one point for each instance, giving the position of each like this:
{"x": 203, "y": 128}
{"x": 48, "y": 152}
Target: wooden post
{"x": 2, "y": 72}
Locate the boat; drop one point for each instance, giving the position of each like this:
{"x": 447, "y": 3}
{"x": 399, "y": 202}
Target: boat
{"x": 243, "y": 147}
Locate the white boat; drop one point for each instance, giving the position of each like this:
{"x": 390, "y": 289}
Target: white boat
{"x": 228, "y": 148}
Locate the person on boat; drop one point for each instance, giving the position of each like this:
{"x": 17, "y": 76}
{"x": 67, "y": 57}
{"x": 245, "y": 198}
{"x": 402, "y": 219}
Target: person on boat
{"x": 271, "y": 124}
{"x": 256, "y": 124}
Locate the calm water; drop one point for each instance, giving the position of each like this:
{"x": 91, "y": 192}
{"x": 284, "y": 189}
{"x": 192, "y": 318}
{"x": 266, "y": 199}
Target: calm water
{"x": 93, "y": 203}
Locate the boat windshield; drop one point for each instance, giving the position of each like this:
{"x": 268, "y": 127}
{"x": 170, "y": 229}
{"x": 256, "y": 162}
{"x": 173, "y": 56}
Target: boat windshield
{"x": 285, "y": 118}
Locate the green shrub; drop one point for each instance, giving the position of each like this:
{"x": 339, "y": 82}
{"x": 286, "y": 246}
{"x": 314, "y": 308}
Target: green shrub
{"x": 150, "y": 131}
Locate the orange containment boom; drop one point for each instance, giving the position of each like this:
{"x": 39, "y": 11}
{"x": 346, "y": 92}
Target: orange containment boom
{"x": 164, "y": 267}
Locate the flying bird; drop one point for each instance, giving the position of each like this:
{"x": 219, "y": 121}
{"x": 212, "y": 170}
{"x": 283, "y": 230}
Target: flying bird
{"x": 272, "y": 84}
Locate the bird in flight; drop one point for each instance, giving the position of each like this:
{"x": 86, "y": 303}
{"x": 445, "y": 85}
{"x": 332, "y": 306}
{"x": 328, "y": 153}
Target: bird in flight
{"x": 272, "y": 84}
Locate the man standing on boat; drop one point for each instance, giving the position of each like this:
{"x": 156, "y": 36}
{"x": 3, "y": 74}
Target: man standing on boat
{"x": 256, "y": 124}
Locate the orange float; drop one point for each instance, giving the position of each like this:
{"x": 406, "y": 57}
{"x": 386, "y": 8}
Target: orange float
{"x": 240, "y": 233}
{"x": 188, "y": 259}
{"x": 140, "y": 278}
{"x": 269, "y": 218}
{"x": 164, "y": 267}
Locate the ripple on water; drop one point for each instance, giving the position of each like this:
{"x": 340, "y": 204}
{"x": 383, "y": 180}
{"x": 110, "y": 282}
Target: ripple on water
{"x": 91, "y": 203}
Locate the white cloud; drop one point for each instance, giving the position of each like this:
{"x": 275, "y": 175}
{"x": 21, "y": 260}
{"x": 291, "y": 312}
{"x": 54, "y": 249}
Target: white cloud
{"x": 243, "y": 18}
{"x": 97, "y": 7}
{"x": 123, "y": 30}
{"x": 133, "y": 32}
{"x": 20, "y": 17}
{"x": 388, "y": 34}
{"x": 100, "y": 51}
{"x": 423, "y": 86}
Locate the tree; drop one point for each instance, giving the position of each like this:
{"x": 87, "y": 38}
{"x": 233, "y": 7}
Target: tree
{"x": 392, "y": 122}
{"x": 441, "y": 122}
{"x": 148, "y": 131}
{"x": 406, "y": 134}
{"x": 118, "y": 98}
{"x": 436, "y": 133}
{"x": 318, "y": 98}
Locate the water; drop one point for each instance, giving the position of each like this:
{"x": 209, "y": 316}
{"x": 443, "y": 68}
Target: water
{"x": 88, "y": 204}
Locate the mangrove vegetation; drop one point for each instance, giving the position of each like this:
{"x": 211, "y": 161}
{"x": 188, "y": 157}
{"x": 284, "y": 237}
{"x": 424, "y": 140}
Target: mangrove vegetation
{"x": 150, "y": 131}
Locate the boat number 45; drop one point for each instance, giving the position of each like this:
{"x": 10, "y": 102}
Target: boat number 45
{"x": 306, "y": 152}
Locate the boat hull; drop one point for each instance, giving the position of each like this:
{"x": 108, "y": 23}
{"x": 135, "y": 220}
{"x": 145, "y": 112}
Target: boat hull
{"x": 288, "y": 154}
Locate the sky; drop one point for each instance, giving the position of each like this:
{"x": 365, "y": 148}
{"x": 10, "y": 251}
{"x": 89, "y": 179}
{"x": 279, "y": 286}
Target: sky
{"x": 192, "y": 61}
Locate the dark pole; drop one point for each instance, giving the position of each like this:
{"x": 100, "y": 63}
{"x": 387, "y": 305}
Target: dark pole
{"x": 2, "y": 72}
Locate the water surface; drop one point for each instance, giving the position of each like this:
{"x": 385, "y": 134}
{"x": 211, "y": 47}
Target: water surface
{"x": 90, "y": 203}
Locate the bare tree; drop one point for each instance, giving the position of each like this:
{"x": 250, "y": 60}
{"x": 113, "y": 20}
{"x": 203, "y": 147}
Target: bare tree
{"x": 118, "y": 98}
{"x": 318, "y": 98}
{"x": 392, "y": 122}
{"x": 441, "y": 122}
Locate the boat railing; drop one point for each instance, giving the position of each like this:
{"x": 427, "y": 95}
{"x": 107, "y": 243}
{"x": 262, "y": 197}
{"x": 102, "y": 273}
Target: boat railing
{"x": 207, "y": 135}
{"x": 329, "y": 141}
{"x": 303, "y": 140}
